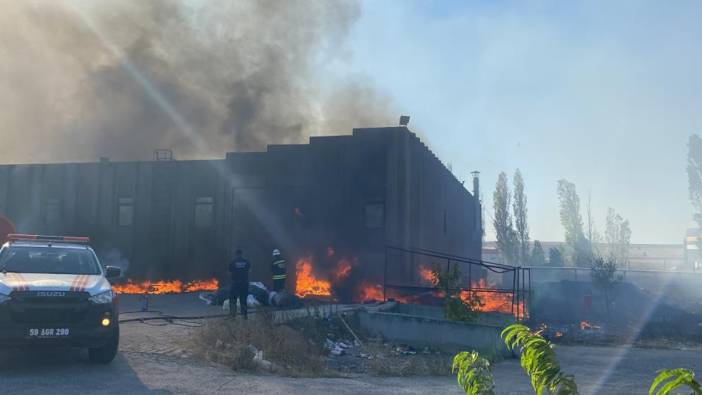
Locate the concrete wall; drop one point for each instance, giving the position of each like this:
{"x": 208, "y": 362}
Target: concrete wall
{"x": 300, "y": 198}
{"x": 420, "y": 331}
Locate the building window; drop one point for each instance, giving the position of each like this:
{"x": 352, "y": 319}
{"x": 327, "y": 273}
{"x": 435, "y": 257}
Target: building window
{"x": 204, "y": 212}
{"x": 125, "y": 212}
{"x": 374, "y": 215}
{"x": 53, "y": 211}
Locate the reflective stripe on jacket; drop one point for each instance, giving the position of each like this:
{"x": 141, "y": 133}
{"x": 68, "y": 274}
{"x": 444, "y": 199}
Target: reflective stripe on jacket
{"x": 278, "y": 267}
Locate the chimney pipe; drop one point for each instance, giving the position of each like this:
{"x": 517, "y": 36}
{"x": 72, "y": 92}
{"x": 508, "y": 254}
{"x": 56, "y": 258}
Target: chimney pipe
{"x": 476, "y": 183}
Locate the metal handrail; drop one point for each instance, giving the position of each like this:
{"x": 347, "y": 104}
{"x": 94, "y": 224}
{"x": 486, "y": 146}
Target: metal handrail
{"x": 521, "y": 277}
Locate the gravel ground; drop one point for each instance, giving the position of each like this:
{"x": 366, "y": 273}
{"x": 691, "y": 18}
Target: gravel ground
{"x": 155, "y": 359}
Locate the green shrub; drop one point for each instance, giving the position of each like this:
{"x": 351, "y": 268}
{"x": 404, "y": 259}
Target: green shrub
{"x": 671, "y": 379}
{"x": 474, "y": 373}
{"x": 455, "y": 308}
{"x": 539, "y": 361}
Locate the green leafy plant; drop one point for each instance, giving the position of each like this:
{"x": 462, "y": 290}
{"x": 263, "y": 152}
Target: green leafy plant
{"x": 474, "y": 373}
{"x": 539, "y": 361}
{"x": 456, "y": 308}
{"x": 671, "y": 379}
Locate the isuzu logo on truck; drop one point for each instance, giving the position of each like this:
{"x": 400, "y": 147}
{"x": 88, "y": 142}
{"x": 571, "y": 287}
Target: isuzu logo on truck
{"x": 50, "y": 293}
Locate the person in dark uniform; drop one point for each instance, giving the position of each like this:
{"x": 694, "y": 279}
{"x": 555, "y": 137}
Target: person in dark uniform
{"x": 279, "y": 270}
{"x": 239, "y": 271}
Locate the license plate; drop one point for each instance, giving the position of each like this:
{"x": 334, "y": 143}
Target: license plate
{"x": 49, "y": 332}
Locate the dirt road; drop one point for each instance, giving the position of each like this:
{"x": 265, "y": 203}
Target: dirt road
{"x": 153, "y": 359}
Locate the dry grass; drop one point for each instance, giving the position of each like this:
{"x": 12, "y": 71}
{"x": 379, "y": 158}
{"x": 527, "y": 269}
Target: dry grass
{"x": 411, "y": 366}
{"x": 385, "y": 363}
{"x": 228, "y": 342}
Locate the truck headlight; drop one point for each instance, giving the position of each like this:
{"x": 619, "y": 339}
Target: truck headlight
{"x": 102, "y": 298}
{"x": 4, "y": 298}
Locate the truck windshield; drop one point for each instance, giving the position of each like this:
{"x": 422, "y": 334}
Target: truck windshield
{"x": 53, "y": 260}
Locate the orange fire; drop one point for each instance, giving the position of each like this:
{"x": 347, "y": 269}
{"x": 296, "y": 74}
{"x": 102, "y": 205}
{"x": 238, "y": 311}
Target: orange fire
{"x": 165, "y": 287}
{"x": 307, "y": 284}
{"x": 426, "y": 275}
{"x": 492, "y": 301}
{"x": 202, "y": 285}
{"x": 585, "y": 325}
{"x": 368, "y": 292}
{"x": 343, "y": 270}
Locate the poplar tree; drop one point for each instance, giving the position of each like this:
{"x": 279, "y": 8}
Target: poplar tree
{"x": 520, "y": 218}
{"x": 504, "y": 231}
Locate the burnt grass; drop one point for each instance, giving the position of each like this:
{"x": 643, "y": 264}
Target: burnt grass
{"x": 302, "y": 347}
{"x": 635, "y": 317}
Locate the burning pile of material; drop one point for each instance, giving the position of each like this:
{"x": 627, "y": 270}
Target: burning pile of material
{"x": 426, "y": 275}
{"x": 491, "y": 301}
{"x": 307, "y": 284}
{"x": 165, "y": 287}
{"x": 370, "y": 292}
{"x": 338, "y": 279}
{"x": 313, "y": 282}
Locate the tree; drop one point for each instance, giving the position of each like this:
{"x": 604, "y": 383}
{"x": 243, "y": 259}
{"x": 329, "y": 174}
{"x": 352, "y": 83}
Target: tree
{"x": 572, "y": 222}
{"x": 555, "y": 257}
{"x": 506, "y": 236}
{"x": 605, "y": 276}
{"x": 520, "y": 218}
{"x": 593, "y": 236}
{"x": 538, "y": 257}
{"x": 618, "y": 237}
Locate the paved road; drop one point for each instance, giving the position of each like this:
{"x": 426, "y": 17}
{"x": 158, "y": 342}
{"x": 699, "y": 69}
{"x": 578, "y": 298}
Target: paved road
{"x": 604, "y": 370}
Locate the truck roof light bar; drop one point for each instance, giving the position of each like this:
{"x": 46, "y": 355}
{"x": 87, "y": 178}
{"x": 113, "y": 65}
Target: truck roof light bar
{"x": 56, "y": 239}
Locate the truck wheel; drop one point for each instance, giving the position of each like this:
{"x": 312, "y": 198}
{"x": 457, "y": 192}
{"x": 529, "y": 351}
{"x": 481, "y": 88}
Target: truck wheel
{"x": 106, "y": 353}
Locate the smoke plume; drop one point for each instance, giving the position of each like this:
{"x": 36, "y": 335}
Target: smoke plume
{"x": 84, "y": 79}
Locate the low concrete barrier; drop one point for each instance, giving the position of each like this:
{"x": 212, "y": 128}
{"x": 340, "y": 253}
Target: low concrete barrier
{"x": 424, "y": 328}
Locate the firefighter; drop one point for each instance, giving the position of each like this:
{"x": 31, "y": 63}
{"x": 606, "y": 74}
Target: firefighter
{"x": 239, "y": 271}
{"x": 279, "y": 270}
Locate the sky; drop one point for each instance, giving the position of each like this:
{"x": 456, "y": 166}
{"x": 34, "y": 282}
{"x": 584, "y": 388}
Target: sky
{"x": 604, "y": 94}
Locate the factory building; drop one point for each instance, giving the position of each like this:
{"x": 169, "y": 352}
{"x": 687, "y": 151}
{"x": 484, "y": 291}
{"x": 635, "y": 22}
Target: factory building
{"x": 166, "y": 218}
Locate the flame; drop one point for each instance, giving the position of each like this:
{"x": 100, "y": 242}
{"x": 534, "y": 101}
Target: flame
{"x": 500, "y": 302}
{"x": 427, "y": 275}
{"x": 202, "y": 285}
{"x": 585, "y": 325}
{"x": 343, "y": 270}
{"x": 165, "y": 287}
{"x": 368, "y": 292}
{"x": 306, "y": 282}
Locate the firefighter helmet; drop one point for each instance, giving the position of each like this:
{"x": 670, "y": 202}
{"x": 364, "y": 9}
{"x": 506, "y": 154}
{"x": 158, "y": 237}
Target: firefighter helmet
{"x": 276, "y": 252}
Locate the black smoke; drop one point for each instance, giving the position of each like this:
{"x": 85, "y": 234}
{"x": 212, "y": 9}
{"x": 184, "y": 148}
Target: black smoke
{"x": 84, "y": 79}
